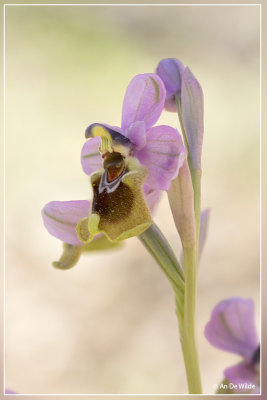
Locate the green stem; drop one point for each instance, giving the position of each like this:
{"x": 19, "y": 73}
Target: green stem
{"x": 187, "y": 330}
{"x": 159, "y": 248}
{"x": 191, "y": 265}
{"x": 196, "y": 182}
{"x": 184, "y": 286}
{"x": 185, "y": 296}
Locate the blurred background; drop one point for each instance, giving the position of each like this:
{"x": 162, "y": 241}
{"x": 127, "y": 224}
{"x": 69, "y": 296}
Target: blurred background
{"x": 108, "y": 325}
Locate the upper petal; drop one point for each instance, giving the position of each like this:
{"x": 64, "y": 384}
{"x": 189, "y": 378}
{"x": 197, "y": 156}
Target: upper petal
{"x": 163, "y": 155}
{"x": 144, "y": 100}
{"x": 61, "y": 217}
{"x": 91, "y": 159}
{"x": 231, "y": 327}
{"x": 136, "y": 133}
{"x": 192, "y": 112}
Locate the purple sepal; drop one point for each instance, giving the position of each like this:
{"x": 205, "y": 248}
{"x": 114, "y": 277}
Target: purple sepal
{"x": 61, "y": 217}
{"x": 143, "y": 101}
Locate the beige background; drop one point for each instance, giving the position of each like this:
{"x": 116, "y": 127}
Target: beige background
{"x": 108, "y": 325}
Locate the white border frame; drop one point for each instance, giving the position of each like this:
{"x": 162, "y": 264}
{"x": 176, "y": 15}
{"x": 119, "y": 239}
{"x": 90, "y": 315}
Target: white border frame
{"x": 4, "y": 181}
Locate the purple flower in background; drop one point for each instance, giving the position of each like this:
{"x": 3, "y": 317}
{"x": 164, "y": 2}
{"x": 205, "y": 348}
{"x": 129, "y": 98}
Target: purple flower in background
{"x": 128, "y": 168}
{"x": 231, "y": 328}
{"x": 9, "y": 391}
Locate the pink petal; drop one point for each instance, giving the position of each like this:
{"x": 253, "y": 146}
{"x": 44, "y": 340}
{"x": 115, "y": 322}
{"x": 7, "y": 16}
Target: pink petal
{"x": 91, "y": 159}
{"x": 163, "y": 155}
{"x": 144, "y": 100}
{"x": 232, "y": 328}
{"x": 61, "y": 217}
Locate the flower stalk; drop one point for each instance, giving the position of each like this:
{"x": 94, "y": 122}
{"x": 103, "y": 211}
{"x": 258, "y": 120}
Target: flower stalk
{"x": 196, "y": 182}
{"x": 185, "y": 296}
{"x": 187, "y": 328}
{"x": 158, "y": 246}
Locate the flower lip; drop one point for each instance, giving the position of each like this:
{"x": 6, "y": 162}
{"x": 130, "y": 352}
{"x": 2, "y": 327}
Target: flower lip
{"x": 121, "y": 211}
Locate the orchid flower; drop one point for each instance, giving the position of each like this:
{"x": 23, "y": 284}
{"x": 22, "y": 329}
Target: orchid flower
{"x": 126, "y": 162}
{"x": 232, "y": 328}
{"x": 128, "y": 168}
